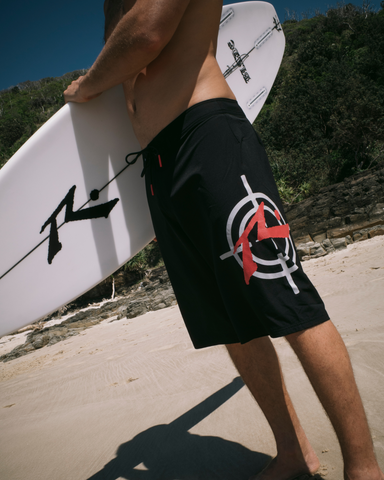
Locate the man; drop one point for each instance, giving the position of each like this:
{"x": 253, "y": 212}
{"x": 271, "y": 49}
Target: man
{"x": 201, "y": 159}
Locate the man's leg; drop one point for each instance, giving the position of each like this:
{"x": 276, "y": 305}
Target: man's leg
{"x": 259, "y": 367}
{"x": 325, "y": 360}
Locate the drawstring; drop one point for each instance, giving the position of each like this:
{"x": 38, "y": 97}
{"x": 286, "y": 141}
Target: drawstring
{"x": 135, "y": 159}
{"x": 145, "y": 162}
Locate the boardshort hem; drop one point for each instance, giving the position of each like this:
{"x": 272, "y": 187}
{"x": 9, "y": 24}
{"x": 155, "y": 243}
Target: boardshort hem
{"x": 300, "y": 327}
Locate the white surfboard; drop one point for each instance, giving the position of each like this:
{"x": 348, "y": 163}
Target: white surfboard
{"x": 249, "y": 51}
{"x": 71, "y": 212}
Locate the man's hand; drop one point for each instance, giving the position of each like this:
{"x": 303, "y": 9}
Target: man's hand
{"x": 75, "y": 93}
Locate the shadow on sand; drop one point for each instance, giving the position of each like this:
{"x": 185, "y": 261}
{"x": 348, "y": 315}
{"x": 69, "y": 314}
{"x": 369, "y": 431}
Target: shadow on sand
{"x": 170, "y": 452}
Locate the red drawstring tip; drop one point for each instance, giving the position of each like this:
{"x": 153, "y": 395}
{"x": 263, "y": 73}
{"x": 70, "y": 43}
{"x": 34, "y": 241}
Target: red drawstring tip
{"x": 152, "y": 190}
{"x": 160, "y": 161}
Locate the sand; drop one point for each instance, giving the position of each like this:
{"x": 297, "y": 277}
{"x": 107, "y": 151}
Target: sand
{"x": 133, "y": 400}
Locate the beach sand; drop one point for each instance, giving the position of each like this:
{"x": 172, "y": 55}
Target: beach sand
{"x": 132, "y": 399}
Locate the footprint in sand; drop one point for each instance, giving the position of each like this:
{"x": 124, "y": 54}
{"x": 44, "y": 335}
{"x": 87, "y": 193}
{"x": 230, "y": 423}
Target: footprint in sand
{"x": 116, "y": 384}
{"x": 131, "y": 380}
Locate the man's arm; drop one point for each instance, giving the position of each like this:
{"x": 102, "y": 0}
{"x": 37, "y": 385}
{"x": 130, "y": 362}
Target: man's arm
{"x": 139, "y": 37}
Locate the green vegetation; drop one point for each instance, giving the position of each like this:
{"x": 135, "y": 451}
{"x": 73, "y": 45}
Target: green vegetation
{"x": 23, "y": 109}
{"x": 149, "y": 257}
{"x": 324, "y": 119}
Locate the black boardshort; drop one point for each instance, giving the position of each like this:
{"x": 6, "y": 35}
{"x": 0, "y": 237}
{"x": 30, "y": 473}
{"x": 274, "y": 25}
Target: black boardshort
{"x": 222, "y": 232}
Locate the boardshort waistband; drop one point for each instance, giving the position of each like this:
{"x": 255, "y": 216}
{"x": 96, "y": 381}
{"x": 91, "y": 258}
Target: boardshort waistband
{"x": 195, "y": 115}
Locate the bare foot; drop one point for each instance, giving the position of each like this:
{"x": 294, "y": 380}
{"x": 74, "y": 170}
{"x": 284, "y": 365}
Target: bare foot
{"x": 292, "y": 469}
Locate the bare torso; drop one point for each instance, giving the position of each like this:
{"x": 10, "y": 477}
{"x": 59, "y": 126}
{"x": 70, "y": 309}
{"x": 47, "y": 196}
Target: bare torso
{"x": 185, "y": 73}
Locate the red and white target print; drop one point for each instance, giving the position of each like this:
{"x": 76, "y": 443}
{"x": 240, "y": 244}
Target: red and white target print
{"x": 259, "y": 239}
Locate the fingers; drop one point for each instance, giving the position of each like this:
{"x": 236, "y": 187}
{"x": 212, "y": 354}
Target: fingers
{"x": 74, "y": 93}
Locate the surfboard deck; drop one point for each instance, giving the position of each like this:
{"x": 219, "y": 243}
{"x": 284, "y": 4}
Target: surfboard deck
{"x": 250, "y": 48}
{"x": 71, "y": 211}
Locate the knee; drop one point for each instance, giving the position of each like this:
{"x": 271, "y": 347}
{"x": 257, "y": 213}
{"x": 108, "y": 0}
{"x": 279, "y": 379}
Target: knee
{"x": 313, "y": 337}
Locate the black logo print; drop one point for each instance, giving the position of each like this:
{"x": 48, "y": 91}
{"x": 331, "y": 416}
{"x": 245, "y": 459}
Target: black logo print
{"x": 240, "y": 58}
{"x": 98, "y": 211}
{"x": 239, "y": 62}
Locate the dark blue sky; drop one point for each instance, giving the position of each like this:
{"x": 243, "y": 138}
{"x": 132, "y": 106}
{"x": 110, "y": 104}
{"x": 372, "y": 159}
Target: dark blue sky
{"x": 45, "y": 38}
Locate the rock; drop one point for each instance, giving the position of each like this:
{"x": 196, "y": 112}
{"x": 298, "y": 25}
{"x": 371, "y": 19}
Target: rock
{"x": 303, "y": 239}
{"x": 361, "y": 210}
{"x": 328, "y": 245}
{"x": 377, "y": 212}
{"x": 360, "y": 236}
{"x": 297, "y": 210}
{"x": 320, "y": 238}
{"x": 355, "y": 218}
{"x": 362, "y": 179}
{"x": 317, "y": 250}
{"x": 135, "y": 309}
{"x": 341, "y": 209}
{"x": 321, "y": 211}
{"x": 298, "y": 223}
{"x": 40, "y": 341}
{"x": 366, "y": 233}
{"x": 120, "y": 312}
{"x": 339, "y": 243}
{"x": 157, "y": 300}
{"x": 316, "y": 228}
{"x": 303, "y": 250}
{"x": 334, "y": 222}
{"x": 80, "y": 316}
{"x": 375, "y": 231}
{"x": 310, "y": 250}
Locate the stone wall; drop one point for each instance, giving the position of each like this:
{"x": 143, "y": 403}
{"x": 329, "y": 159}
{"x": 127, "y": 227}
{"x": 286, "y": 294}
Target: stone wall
{"x": 346, "y": 212}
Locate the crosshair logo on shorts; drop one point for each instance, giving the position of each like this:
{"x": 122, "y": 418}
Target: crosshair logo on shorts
{"x": 259, "y": 239}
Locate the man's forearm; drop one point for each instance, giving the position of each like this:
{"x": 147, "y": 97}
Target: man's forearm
{"x": 137, "y": 40}
{"x": 127, "y": 52}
